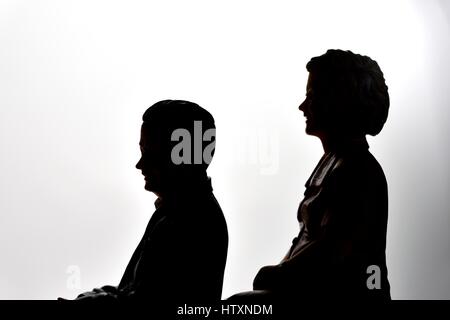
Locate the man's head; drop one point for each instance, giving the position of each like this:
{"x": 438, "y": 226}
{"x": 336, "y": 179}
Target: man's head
{"x": 346, "y": 95}
{"x": 177, "y": 144}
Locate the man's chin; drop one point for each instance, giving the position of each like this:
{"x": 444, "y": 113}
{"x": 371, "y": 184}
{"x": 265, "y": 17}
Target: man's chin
{"x": 151, "y": 187}
{"x": 310, "y": 130}
{"x": 148, "y": 186}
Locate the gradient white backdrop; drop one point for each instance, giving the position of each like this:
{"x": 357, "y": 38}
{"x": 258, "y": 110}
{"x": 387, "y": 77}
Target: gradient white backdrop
{"x": 76, "y": 76}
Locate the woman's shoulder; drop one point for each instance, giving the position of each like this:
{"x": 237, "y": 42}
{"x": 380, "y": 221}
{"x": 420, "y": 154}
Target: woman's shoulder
{"x": 357, "y": 166}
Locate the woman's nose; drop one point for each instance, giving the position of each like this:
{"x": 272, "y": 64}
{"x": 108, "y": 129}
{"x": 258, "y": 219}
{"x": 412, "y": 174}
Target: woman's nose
{"x": 138, "y": 164}
{"x": 302, "y": 106}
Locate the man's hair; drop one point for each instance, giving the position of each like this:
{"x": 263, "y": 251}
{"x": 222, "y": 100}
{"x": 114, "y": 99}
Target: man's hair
{"x": 164, "y": 117}
{"x": 358, "y": 85}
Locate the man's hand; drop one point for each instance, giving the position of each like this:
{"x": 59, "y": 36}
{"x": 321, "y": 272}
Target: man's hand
{"x": 104, "y": 293}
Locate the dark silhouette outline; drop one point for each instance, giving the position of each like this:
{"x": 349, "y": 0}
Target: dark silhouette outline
{"x": 343, "y": 216}
{"x": 181, "y": 257}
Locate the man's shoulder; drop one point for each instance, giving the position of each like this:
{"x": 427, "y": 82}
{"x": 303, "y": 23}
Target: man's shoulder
{"x": 193, "y": 211}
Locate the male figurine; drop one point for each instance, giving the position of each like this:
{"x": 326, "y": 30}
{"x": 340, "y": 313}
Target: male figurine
{"x": 181, "y": 257}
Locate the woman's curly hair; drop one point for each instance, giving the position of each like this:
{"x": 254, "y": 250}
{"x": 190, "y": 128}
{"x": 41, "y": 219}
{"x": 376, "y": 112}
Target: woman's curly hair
{"x": 357, "y": 90}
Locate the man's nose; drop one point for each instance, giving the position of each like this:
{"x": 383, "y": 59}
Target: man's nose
{"x": 138, "y": 164}
{"x": 302, "y": 106}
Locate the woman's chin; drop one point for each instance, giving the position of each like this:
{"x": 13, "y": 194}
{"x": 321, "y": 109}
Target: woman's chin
{"x": 310, "y": 131}
{"x": 148, "y": 186}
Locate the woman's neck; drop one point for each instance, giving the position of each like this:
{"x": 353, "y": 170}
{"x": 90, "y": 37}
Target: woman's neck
{"x": 332, "y": 143}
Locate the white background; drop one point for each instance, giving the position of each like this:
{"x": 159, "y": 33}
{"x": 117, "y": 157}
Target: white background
{"x": 76, "y": 76}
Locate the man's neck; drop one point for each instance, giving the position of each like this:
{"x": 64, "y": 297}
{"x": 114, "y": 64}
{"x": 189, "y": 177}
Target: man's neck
{"x": 179, "y": 188}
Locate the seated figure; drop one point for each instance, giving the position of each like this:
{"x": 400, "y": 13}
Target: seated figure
{"x": 339, "y": 252}
{"x": 182, "y": 254}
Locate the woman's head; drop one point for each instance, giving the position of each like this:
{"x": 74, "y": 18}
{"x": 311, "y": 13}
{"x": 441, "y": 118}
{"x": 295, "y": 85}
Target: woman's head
{"x": 346, "y": 95}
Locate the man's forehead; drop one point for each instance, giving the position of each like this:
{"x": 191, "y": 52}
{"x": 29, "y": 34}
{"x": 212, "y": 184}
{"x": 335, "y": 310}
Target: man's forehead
{"x": 149, "y": 135}
{"x": 146, "y": 129}
{"x": 145, "y": 126}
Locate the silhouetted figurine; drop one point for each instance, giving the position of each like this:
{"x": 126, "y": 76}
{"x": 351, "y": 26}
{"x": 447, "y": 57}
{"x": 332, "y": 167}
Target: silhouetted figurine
{"x": 182, "y": 255}
{"x": 340, "y": 250}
